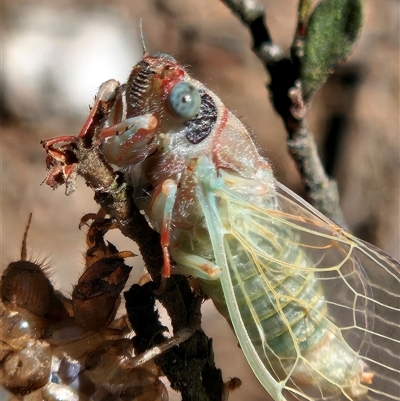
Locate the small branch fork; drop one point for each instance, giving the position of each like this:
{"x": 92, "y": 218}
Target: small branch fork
{"x": 287, "y": 99}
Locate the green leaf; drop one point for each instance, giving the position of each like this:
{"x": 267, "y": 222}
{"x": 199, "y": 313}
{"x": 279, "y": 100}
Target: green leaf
{"x": 332, "y": 29}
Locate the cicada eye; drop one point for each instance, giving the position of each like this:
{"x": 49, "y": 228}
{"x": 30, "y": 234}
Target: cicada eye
{"x": 184, "y": 100}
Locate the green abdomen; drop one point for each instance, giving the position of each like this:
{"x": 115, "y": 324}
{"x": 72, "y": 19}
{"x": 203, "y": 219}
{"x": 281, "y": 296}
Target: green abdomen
{"x": 281, "y": 303}
{"x": 281, "y": 306}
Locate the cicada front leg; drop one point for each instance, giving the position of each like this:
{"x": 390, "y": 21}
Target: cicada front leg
{"x": 128, "y": 141}
{"x": 61, "y": 161}
{"x": 107, "y": 101}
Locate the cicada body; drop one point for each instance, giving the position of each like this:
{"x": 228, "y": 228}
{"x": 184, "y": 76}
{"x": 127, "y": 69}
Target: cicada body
{"x": 315, "y": 310}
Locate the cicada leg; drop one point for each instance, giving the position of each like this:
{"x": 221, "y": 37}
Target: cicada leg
{"x": 162, "y": 205}
{"x": 54, "y": 152}
{"x": 104, "y": 101}
{"x": 127, "y": 142}
{"x": 194, "y": 265}
{"x": 160, "y": 210}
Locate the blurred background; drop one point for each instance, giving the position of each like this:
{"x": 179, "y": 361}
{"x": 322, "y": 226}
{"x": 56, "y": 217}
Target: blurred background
{"x": 56, "y": 54}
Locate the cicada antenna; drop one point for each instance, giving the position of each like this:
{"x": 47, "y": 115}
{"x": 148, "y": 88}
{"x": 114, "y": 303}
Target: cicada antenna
{"x": 142, "y": 37}
{"x": 24, "y": 253}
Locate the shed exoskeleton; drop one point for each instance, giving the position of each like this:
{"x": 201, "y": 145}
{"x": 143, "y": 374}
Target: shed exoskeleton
{"x": 57, "y": 348}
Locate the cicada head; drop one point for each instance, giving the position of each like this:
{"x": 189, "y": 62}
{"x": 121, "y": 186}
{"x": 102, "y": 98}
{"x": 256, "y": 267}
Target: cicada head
{"x": 150, "y": 83}
{"x": 159, "y": 86}
{"x": 167, "y": 112}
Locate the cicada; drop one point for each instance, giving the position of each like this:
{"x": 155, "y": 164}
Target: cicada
{"x": 315, "y": 310}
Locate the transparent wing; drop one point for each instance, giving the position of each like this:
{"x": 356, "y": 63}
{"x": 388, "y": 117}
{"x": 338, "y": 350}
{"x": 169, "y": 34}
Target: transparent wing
{"x": 361, "y": 286}
{"x": 316, "y": 310}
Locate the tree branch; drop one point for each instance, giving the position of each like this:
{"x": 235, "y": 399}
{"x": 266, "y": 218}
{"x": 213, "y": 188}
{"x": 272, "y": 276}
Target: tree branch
{"x": 288, "y": 102}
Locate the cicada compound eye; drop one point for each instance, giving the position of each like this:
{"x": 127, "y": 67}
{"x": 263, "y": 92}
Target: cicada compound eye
{"x": 184, "y": 101}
